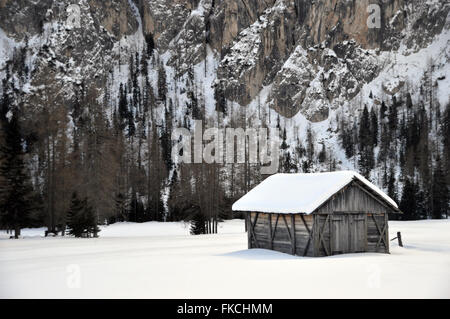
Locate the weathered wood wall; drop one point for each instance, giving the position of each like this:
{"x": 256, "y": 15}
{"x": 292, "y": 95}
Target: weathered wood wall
{"x": 352, "y": 199}
{"x": 341, "y": 233}
{"x": 288, "y": 233}
{"x": 353, "y": 220}
{"x": 377, "y": 233}
{"x": 365, "y": 230}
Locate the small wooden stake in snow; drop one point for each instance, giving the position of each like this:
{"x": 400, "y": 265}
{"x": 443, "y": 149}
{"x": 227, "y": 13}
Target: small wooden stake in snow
{"x": 399, "y": 238}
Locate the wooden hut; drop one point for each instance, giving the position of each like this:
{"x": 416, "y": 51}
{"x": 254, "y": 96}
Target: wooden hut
{"x": 319, "y": 214}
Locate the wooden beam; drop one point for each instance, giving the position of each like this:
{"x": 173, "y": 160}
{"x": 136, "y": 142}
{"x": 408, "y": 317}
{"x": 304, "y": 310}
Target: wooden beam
{"x": 287, "y": 227}
{"x": 366, "y": 239}
{"x": 294, "y": 244}
{"x": 382, "y": 236}
{"x": 304, "y": 223}
{"x": 321, "y": 241}
{"x": 381, "y": 232}
{"x": 249, "y": 236}
{"x": 386, "y": 220}
{"x": 331, "y": 235}
{"x": 275, "y": 228}
{"x": 270, "y": 232}
{"x": 252, "y": 229}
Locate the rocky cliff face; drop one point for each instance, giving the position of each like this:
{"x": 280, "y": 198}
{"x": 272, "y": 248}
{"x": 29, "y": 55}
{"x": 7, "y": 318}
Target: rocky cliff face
{"x": 318, "y": 54}
{"x": 311, "y": 56}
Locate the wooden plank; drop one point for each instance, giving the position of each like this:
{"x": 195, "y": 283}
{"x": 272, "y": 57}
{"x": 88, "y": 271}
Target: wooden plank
{"x": 293, "y": 234}
{"x": 365, "y": 233}
{"x": 270, "y": 232}
{"x": 383, "y": 237}
{"x": 249, "y": 238}
{"x": 386, "y": 239}
{"x": 381, "y": 232}
{"x": 321, "y": 235}
{"x": 252, "y": 229}
{"x": 304, "y": 223}
{"x": 282, "y": 247}
{"x": 331, "y": 235}
{"x": 276, "y": 226}
{"x": 371, "y": 195}
{"x": 353, "y": 199}
{"x": 282, "y": 235}
{"x": 287, "y": 226}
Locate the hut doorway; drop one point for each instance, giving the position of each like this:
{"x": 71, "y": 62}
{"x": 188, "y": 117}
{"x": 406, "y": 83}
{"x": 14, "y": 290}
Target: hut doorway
{"x": 348, "y": 233}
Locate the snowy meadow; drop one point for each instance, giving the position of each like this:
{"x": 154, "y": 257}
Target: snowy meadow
{"x": 161, "y": 260}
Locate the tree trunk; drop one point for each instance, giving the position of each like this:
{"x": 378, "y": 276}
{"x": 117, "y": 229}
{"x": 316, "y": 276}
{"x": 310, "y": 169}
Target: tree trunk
{"x": 16, "y": 231}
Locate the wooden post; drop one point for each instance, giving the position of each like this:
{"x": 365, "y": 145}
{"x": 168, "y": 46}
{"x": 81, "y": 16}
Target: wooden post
{"x": 386, "y": 234}
{"x": 294, "y": 244}
{"x": 270, "y": 231}
{"x": 399, "y": 237}
{"x": 248, "y": 223}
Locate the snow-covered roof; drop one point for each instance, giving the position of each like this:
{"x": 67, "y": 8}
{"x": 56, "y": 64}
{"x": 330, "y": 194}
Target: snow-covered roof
{"x": 300, "y": 193}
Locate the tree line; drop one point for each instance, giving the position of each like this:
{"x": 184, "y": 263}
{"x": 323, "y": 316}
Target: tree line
{"x": 106, "y": 156}
{"x": 408, "y": 145}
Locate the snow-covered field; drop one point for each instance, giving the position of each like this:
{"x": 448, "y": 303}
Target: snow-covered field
{"x": 161, "y": 260}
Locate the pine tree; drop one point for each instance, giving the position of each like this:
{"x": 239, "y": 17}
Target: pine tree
{"x": 374, "y": 127}
{"x": 150, "y": 44}
{"x": 286, "y": 163}
{"x": 440, "y": 196}
{"x": 123, "y": 106}
{"x": 131, "y": 126}
{"x": 17, "y": 200}
{"x": 364, "y": 129}
{"x": 347, "y": 142}
{"x": 175, "y": 201}
{"x": 198, "y": 224}
{"x": 393, "y": 118}
{"x": 90, "y": 220}
{"x": 221, "y": 102}
{"x": 383, "y": 110}
{"x": 366, "y": 157}
{"x": 384, "y": 143}
{"x": 162, "y": 83}
{"x": 391, "y": 189}
{"x": 192, "y": 104}
{"x": 284, "y": 144}
{"x": 74, "y": 218}
{"x": 81, "y": 218}
{"x": 306, "y": 166}
{"x": 409, "y": 103}
{"x": 309, "y": 145}
{"x": 408, "y": 204}
{"x": 323, "y": 154}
